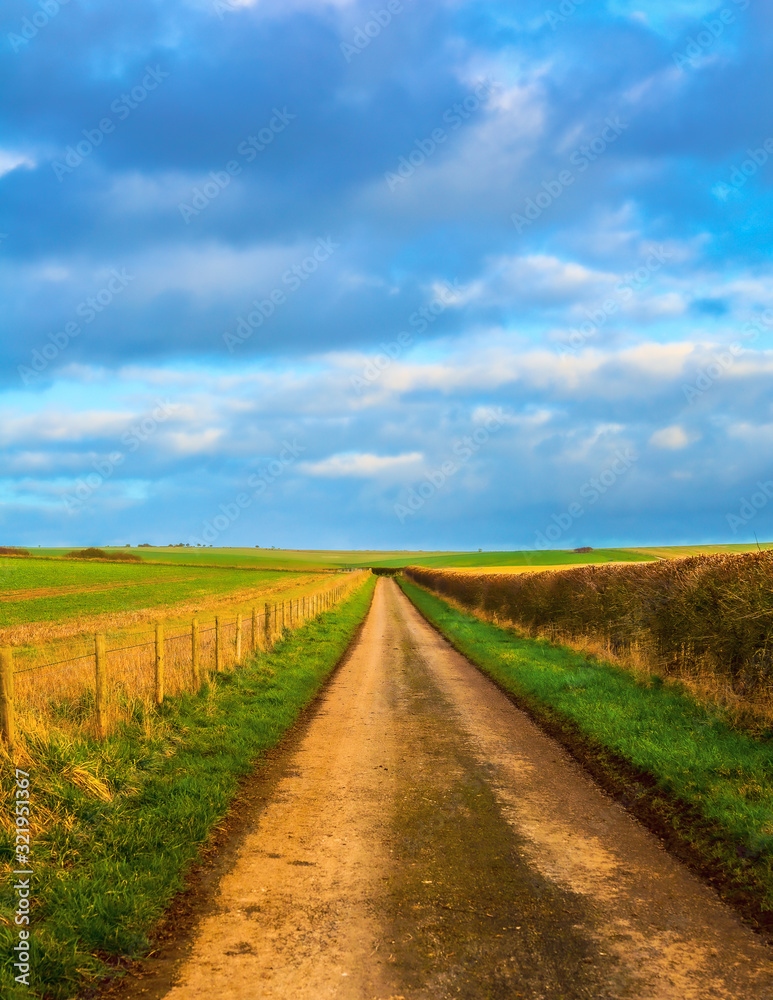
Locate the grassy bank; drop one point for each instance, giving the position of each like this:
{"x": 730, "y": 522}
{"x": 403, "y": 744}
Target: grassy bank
{"x": 707, "y": 615}
{"x": 116, "y": 824}
{"x": 677, "y": 764}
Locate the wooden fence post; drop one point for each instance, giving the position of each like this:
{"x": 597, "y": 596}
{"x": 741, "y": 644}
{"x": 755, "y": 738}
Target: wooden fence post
{"x": 267, "y": 626}
{"x": 238, "y": 648}
{"x": 195, "y": 665}
{"x": 254, "y": 640}
{"x": 6, "y": 696}
{"x": 218, "y": 646}
{"x": 100, "y": 686}
{"x": 159, "y": 663}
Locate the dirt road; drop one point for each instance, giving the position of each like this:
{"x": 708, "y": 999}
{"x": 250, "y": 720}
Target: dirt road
{"x": 427, "y": 841}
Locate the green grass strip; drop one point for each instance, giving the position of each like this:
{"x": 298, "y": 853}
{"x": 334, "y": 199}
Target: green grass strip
{"x": 106, "y": 871}
{"x": 678, "y": 763}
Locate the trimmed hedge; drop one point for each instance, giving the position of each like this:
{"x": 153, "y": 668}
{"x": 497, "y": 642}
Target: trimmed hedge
{"x": 712, "y": 609}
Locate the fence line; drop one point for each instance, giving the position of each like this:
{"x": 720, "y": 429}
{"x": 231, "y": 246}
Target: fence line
{"x": 178, "y": 662}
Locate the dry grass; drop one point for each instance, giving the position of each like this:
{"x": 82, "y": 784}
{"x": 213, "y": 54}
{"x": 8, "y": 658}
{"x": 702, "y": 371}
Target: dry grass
{"x": 722, "y": 595}
{"x": 515, "y": 570}
{"x": 699, "y": 678}
{"x": 47, "y": 689}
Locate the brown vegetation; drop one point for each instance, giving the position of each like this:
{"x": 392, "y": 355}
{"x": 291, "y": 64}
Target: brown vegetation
{"x": 92, "y": 553}
{"x": 704, "y": 617}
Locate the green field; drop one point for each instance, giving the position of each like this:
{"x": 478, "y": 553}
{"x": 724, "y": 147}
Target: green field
{"x": 551, "y": 557}
{"x": 104, "y": 587}
{"x": 171, "y": 575}
{"x": 319, "y": 559}
{"x": 300, "y": 559}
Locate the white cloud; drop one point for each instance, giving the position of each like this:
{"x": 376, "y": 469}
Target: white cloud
{"x": 57, "y": 426}
{"x": 363, "y": 465}
{"x": 193, "y": 442}
{"x": 536, "y": 278}
{"x": 673, "y": 438}
{"x": 10, "y": 160}
{"x": 479, "y": 156}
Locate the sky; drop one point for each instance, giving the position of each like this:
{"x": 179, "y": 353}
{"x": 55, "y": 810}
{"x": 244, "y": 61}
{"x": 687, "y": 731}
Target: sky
{"x": 437, "y": 275}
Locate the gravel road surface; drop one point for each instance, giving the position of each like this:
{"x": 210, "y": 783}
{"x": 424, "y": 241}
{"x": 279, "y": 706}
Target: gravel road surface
{"x": 425, "y": 840}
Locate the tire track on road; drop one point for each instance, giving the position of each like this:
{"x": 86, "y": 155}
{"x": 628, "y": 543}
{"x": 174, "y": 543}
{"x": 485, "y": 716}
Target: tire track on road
{"x": 427, "y": 840}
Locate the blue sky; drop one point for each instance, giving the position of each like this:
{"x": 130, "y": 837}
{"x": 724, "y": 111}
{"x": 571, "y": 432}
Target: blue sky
{"x": 416, "y": 275}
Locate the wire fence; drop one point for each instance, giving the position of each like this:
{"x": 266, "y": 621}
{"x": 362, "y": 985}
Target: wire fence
{"x": 100, "y": 683}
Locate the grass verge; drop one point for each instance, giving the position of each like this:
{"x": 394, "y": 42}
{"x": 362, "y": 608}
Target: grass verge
{"x": 119, "y": 823}
{"x": 704, "y": 787}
